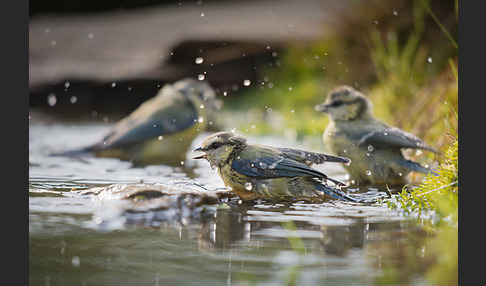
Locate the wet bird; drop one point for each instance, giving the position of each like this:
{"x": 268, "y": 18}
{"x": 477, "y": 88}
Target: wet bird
{"x": 162, "y": 128}
{"x": 374, "y": 147}
{"x": 257, "y": 171}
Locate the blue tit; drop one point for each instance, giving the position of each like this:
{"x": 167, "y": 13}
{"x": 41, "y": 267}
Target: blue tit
{"x": 257, "y": 171}
{"x": 374, "y": 147}
{"x": 160, "y": 130}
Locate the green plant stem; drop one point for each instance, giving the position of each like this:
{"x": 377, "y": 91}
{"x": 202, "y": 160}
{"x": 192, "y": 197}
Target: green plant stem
{"x": 444, "y": 30}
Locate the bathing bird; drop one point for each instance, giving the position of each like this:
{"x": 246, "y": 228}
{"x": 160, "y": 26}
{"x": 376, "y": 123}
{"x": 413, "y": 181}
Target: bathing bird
{"x": 374, "y": 147}
{"x": 161, "y": 129}
{"x": 257, "y": 171}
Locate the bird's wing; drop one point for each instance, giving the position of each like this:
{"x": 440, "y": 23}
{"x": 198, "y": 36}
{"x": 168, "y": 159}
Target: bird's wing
{"x": 393, "y": 138}
{"x": 150, "y": 120}
{"x": 309, "y": 158}
{"x": 261, "y": 163}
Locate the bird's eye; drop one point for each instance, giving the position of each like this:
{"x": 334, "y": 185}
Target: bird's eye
{"x": 337, "y": 103}
{"x": 215, "y": 145}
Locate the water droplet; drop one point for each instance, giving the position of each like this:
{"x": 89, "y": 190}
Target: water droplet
{"x": 160, "y": 138}
{"x": 345, "y": 151}
{"x": 199, "y": 60}
{"x": 67, "y": 84}
{"x": 246, "y": 82}
{"x": 370, "y": 148}
{"x": 200, "y": 119}
{"x": 248, "y": 186}
{"x": 51, "y": 99}
{"x": 253, "y": 126}
{"x": 202, "y": 14}
{"x": 395, "y": 13}
{"x": 201, "y": 77}
{"x": 400, "y": 174}
{"x": 113, "y": 84}
{"x": 182, "y": 163}
{"x": 368, "y": 172}
{"x": 225, "y": 93}
{"x": 73, "y": 99}
{"x": 429, "y": 60}
{"x": 201, "y": 106}
{"x": 53, "y": 43}
{"x": 292, "y": 111}
{"x": 368, "y": 154}
{"x": 290, "y": 88}
{"x": 385, "y": 133}
{"x": 90, "y": 36}
{"x": 418, "y": 152}
{"x": 76, "y": 261}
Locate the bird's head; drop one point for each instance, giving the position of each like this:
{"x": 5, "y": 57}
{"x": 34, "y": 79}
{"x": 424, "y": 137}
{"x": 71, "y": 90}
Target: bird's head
{"x": 345, "y": 103}
{"x": 217, "y": 147}
{"x": 199, "y": 92}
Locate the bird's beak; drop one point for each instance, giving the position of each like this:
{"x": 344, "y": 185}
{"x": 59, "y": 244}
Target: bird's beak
{"x": 322, "y": 107}
{"x": 203, "y": 156}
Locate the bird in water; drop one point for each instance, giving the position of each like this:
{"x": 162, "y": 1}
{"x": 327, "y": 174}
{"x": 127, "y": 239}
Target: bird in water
{"x": 160, "y": 130}
{"x": 257, "y": 171}
{"x": 374, "y": 147}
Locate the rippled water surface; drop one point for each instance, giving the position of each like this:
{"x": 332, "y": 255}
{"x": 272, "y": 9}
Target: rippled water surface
{"x": 88, "y": 227}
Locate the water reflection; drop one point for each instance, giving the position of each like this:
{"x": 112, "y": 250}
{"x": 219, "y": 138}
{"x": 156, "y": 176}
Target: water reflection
{"x": 227, "y": 245}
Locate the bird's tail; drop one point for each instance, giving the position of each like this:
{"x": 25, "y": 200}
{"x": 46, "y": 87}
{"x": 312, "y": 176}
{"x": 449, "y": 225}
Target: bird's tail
{"x": 74, "y": 153}
{"x": 414, "y": 166}
{"x": 335, "y": 193}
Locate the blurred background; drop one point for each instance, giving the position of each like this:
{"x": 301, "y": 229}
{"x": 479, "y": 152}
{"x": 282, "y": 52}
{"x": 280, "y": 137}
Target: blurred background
{"x": 274, "y": 60}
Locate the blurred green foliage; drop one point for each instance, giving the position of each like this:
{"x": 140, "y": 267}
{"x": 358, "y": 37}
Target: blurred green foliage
{"x": 435, "y": 193}
{"x": 404, "y": 71}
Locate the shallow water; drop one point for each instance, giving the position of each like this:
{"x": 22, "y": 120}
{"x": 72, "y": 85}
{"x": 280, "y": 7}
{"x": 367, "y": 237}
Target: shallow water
{"x": 81, "y": 237}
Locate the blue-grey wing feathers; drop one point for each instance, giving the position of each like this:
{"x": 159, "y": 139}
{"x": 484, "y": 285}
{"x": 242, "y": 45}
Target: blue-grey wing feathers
{"x": 177, "y": 116}
{"x": 311, "y": 157}
{"x": 393, "y": 138}
{"x": 266, "y": 164}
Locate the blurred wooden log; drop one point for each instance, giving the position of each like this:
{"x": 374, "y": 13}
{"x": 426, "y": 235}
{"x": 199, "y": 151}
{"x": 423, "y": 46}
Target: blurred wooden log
{"x": 162, "y": 43}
